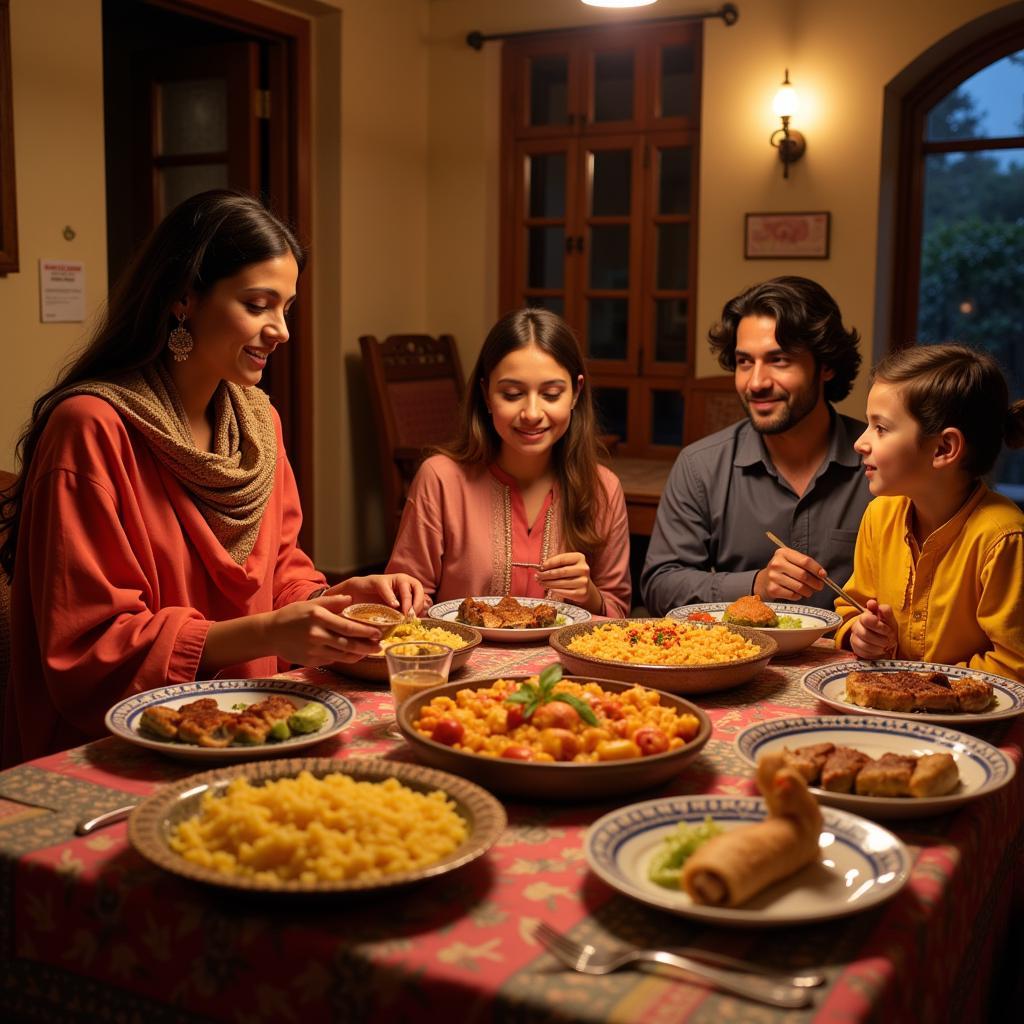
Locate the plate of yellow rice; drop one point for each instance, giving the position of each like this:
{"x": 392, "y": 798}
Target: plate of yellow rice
{"x": 316, "y": 825}
{"x": 666, "y": 654}
{"x": 462, "y": 639}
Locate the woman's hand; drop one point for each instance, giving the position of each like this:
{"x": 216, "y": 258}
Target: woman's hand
{"x": 789, "y": 576}
{"x": 566, "y": 577}
{"x": 315, "y": 633}
{"x": 397, "y": 589}
{"x": 874, "y": 634}
{"x": 309, "y": 633}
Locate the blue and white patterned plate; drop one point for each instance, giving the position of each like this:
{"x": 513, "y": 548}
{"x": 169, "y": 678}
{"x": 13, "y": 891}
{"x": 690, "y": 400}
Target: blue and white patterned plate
{"x": 828, "y": 684}
{"x": 568, "y": 614}
{"x": 861, "y": 864}
{"x": 816, "y": 622}
{"x": 983, "y": 768}
{"x": 124, "y": 717}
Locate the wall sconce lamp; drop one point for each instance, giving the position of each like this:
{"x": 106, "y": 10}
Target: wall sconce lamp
{"x": 790, "y": 144}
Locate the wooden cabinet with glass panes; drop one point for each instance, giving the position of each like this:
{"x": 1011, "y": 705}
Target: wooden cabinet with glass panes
{"x": 599, "y": 188}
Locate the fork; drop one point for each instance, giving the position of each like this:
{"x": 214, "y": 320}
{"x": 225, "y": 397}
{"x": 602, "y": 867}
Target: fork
{"x": 589, "y": 960}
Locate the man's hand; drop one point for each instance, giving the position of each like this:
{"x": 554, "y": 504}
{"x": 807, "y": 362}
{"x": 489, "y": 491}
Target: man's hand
{"x": 874, "y": 634}
{"x": 789, "y": 576}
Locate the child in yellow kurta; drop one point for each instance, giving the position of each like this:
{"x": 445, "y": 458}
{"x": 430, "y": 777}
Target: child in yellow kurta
{"x": 939, "y": 561}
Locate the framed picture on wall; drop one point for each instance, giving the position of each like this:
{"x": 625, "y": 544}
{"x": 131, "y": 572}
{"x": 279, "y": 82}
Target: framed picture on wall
{"x": 786, "y": 236}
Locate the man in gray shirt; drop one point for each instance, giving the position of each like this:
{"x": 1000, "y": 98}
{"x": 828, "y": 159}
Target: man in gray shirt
{"x": 789, "y": 467}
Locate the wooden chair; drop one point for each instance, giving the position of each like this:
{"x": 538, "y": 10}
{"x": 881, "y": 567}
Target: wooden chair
{"x": 416, "y": 388}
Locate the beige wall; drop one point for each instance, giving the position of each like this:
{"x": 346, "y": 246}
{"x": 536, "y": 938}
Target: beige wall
{"x": 406, "y": 128}
{"x": 57, "y": 79}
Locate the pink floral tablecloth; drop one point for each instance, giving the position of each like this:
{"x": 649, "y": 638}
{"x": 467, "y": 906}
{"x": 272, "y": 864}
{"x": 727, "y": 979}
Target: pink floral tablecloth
{"x": 90, "y": 931}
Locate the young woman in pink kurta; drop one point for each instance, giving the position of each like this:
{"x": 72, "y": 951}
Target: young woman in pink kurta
{"x": 519, "y": 505}
{"x": 152, "y": 534}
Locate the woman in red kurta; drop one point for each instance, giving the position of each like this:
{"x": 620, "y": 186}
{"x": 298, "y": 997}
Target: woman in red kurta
{"x": 518, "y": 504}
{"x": 152, "y": 534}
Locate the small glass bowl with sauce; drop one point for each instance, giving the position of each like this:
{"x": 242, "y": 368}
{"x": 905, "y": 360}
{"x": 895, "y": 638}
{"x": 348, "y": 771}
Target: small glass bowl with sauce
{"x": 380, "y": 616}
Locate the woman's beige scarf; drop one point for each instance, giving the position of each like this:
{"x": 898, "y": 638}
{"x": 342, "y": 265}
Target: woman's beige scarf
{"x": 230, "y": 485}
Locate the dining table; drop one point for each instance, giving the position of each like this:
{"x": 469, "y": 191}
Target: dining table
{"x": 90, "y": 930}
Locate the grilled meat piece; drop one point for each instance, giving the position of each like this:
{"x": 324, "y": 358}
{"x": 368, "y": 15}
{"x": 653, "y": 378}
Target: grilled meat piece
{"x": 472, "y": 612}
{"x": 750, "y": 611}
{"x": 934, "y": 775}
{"x": 901, "y": 691}
{"x": 161, "y": 721}
{"x": 544, "y": 615}
{"x": 888, "y": 776}
{"x": 808, "y": 761}
{"x": 974, "y": 694}
{"x": 208, "y": 727}
{"x": 513, "y": 614}
{"x": 840, "y": 769}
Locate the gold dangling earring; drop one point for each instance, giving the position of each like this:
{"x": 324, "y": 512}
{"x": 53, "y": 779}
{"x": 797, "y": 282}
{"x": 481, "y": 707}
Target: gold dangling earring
{"x": 180, "y": 341}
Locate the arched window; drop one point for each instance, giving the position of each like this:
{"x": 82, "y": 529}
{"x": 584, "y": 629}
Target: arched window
{"x": 960, "y": 254}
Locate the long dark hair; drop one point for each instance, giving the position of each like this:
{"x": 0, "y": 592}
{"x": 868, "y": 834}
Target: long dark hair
{"x": 955, "y": 386}
{"x": 211, "y": 236}
{"x": 574, "y": 456}
{"x": 806, "y": 319}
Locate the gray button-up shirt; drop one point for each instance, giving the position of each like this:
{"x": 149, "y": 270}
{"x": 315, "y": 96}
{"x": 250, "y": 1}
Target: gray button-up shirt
{"x": 723, "y": 494}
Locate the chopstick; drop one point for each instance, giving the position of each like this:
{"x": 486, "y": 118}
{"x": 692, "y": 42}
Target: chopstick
{"x": 827, "y": 579}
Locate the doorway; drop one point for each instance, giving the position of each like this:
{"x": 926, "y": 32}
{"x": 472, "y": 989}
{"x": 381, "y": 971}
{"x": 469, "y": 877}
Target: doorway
{"x": 202, "y": 94}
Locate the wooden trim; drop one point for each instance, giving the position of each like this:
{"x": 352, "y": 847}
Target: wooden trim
{"x": 910, "y": 175}
{"x": 8, "y": 202}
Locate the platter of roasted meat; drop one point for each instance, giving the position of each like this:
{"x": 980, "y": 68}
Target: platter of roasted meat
{"x": 222, "y": 720}
{"x": 510, "y": 619}
{"x": 882, "y": 767}
{"x": 945, "y": 694}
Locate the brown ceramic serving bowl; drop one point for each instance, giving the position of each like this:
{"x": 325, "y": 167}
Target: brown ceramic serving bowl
{"x": 670, "y": 678}
{"x": 374, "y": 666}
{"x": 553, "y": 780}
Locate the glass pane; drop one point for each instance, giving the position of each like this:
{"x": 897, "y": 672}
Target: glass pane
{"x": 670, "y": 330}
{"x": 666, "y": 417}
{"x": 987, "y": 105}
{"x": 674, "y": 180}
{"x": 676, "y": 81}
{"x": 549, "y": 90}
{"x": 972, "y": 268}
{"x": 673, "y": 257}
{"x": 608, "y": 328}
{"x": 545, "y": 257}
{"x": 613, "y": 87}
{"x": 609, "y": 257}
{"x": 178, "y": 183}
{"x": 610, "y": 189}
{"x": 554, "y": 303}
{"x": 547, "y": 184}
{"x": 612, "y": 411}
{"x": 193, "y": 116}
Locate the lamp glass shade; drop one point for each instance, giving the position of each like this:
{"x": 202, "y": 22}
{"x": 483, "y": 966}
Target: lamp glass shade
{"x": 786, "y": 102}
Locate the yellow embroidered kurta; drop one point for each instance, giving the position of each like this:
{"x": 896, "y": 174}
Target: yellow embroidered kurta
{"x": 957, "y": 601}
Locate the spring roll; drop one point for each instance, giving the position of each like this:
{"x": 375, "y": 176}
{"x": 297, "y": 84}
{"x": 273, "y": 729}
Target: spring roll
{"x": 729, "y": 869}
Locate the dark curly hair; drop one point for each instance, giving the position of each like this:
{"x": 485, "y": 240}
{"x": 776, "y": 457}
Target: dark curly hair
{"x": 806, "y": 319}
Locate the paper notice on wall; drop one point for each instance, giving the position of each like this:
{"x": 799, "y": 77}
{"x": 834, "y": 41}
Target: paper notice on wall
{"x": 61, "y": 291}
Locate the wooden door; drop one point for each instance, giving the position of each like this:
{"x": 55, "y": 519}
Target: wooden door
{"x": 199, "y": 120}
